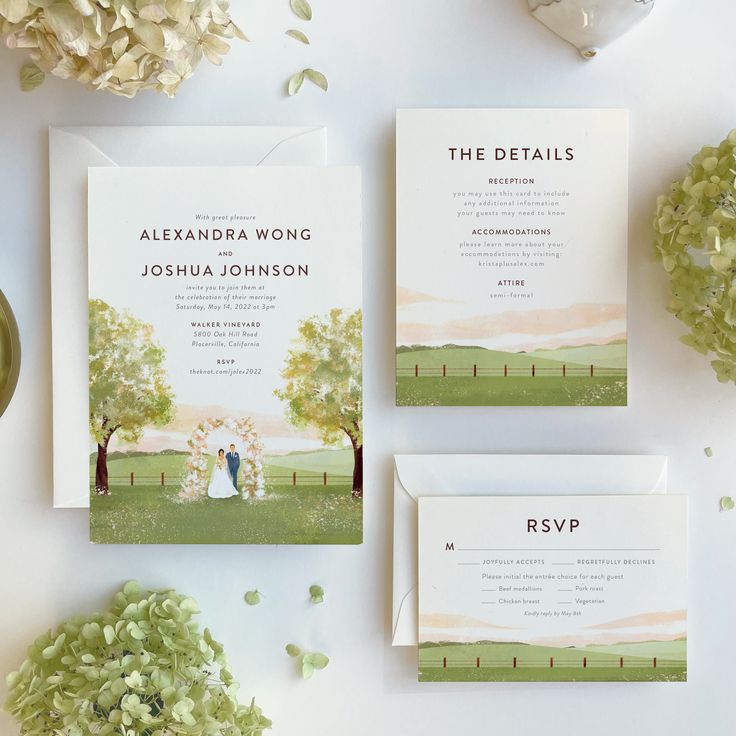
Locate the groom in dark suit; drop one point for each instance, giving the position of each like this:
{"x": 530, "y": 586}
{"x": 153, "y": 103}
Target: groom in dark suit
{"x": 233, "y": 464}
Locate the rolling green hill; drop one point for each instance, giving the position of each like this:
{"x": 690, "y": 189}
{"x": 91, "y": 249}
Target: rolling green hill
{"x": 666, "y": 649}
{"x": 321, "y": 461}
{"x": 603, "y": 356}
{"x": 455, "y": 357}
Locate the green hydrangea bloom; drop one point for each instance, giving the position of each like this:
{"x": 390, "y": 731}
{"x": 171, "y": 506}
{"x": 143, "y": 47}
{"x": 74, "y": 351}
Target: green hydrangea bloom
{"x": 142, "y": 668}
{"x": 695, "y": 238}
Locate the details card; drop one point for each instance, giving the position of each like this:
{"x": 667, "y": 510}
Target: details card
{"x": 225, "y": 355}
{"x": 511, "y": 257}
{"x": 553, "y": 588}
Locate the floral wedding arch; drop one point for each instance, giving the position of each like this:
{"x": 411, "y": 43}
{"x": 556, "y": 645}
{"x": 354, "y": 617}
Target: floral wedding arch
{"x": 194, "y": 482}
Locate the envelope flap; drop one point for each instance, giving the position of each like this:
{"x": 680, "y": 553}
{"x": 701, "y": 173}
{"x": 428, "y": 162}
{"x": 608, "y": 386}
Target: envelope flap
{"x": 72, "y": 151}
{"x": 478, "y": 475}
{"x": 74, "y": 144}
{"x": 431, "y": 475}
{"x": 187, "y": 145}
{"x": 407, "y": 475}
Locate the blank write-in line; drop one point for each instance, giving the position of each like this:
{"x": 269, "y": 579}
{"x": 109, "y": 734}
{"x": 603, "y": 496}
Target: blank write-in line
{"x": 489, "y": 590}
{"x": 468, "y": 563}
{"x": 488, "y": 603}
{"x": 563, "y": 563}
{"x": 558, "y": 549}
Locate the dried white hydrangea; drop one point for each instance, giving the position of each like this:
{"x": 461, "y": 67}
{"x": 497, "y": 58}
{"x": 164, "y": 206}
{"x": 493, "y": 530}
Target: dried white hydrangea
{"x": 122, "y": 46}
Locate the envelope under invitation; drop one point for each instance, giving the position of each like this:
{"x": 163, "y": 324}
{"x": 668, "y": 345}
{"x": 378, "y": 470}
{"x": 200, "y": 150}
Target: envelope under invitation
{"x": 71, "y": 152}
{"x": 485, "y": 475}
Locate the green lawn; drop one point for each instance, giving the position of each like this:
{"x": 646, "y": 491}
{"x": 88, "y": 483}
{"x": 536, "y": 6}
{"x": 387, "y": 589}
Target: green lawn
{"x": 533, "y": 663}
{"x": 511, "y": 391}
{"x": 287, "y": 515}
{"x": 548, "y": 387}
{"x": 306, "y": 513}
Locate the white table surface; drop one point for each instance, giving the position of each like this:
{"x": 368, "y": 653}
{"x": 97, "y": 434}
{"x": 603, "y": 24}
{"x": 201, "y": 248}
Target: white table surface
{"x": 675, "y": 73}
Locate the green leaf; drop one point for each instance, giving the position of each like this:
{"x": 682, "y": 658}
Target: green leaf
{"x": 317, "y": 660}
{"x": 295, "y": 83}
{"x": 727, "y": 503}
{"x": 317, "y": 78}
{"x": 252, "y": 597}
{"x": 31, "y": 77}
{"x": 293, "y": 650}
{"x": 317, "y": 594}
{"x": 301, "y": 8}
{"x": 307, "y": 669}
{"x": 708, "y": 451}
{"x": 298, "y": 35}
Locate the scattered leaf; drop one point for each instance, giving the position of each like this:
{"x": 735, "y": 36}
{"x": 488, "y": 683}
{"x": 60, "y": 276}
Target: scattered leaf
{"x": 317, "y": 660}
{"x": 317, "y": 594}
{"x": 727, "y": 503}
{"x": 301, "y": 8}
{"x": 298, "y": 35}
{"x": 252, "y": 597}
{"x": 295, "y": 83}
{"x": 31, "y": 77}
{"x": 317, "y": 78}
{"x": 708, "y": 451}
{"x": 293, "y": 650}
{"x": 310, "y": 661}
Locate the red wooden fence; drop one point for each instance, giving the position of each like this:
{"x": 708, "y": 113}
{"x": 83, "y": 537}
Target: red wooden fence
{"x": 533, "y": 370}
{"x": 324, "y": 478}
{"x": 516, "y": 663}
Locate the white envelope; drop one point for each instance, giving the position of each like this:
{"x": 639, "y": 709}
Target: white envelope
{"x": 71, "y": 152}
{"x": 485, "y": 475}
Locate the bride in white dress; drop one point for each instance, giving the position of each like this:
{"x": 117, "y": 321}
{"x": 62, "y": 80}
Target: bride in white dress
{"x": 221, "y": 483}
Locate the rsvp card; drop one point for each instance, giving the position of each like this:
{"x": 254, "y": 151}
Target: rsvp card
{"x": 553, "y": 588}
{"x": 511, "y": 257}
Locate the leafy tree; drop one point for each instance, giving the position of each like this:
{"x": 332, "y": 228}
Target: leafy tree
{"x": 324, "y": 385}
{"x": 128, "y": 387}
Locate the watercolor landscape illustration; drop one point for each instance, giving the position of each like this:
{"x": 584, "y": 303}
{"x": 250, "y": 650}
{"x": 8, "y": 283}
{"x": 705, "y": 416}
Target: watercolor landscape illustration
{"x": 162, "y": 471}
{"x": 448, "y": 355}
{"x": 649, "y": 647}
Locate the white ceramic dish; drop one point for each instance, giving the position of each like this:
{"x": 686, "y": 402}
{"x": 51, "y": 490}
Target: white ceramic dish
{"x": 589, "y": 25}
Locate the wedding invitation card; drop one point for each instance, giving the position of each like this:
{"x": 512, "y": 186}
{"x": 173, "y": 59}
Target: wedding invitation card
{"x": 511, "y": 257}
{"x": 553, "y": 588}
{"x": 225, "y": 355}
